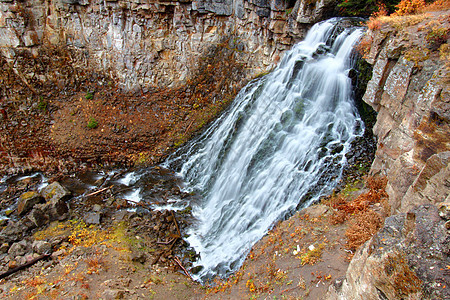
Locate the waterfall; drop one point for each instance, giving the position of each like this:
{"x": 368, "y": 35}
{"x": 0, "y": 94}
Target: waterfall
{"x": 279, "y": 147}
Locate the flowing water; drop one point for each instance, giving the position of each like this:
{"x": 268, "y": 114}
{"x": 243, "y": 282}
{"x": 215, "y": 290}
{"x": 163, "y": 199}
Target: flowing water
{"x": 279, "y": 147}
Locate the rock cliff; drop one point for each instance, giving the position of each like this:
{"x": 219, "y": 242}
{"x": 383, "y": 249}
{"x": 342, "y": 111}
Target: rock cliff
{"x": 410, "y": 91}
{"x": 156, "y": 43}
{"x": 409, "y": 257}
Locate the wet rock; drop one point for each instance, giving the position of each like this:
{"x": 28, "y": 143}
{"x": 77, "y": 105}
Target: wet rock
{"x": 406, "y": 259}
{"x": 41, "y": 247}
{"x": 18, "y": 249}
{"x": 27, "y": 201}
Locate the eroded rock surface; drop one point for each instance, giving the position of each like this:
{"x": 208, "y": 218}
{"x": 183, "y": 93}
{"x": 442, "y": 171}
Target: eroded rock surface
{"x": 410, "y": 91}
{"x": 145, "y": 44}
{"x": 407, "y": 259}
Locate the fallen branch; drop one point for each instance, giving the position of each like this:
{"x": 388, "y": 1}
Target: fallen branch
{"x": 22, "y": 77}
{"x": 99, "y": 191}
{"x": 177, "y": 260}
{"x": 165, "y": 243}
{"x": 176, "y": 223}
{"x": 165, "y": 251}
{"x": 24, "y": 266}
{"x": 189, "y": 127}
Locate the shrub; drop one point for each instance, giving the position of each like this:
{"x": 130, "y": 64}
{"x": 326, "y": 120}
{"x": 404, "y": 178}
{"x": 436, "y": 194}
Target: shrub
{"x": 92, "y": 123}
{"x": 89, "y": 95}
{"x": 364, "y": 45}
{"x": 361, "y": 228}
{"x": 409, "y": 7}
{"x": 367, "y": 7}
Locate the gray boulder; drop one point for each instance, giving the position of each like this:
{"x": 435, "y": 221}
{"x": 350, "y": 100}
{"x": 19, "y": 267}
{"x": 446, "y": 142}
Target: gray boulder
{"x": 56, "y": 195}
{"x": 18, "y": 249}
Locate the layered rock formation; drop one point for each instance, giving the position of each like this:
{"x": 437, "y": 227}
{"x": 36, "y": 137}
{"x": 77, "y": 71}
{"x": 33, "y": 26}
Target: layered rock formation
{"x": 156, "y": 43}
{"x": 410, "y": 256}
{"x": 410, "y": 91}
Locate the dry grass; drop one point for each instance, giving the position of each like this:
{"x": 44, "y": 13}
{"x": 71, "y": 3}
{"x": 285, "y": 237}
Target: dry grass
{"x": 436, "y": 6}
{"x": 362, "y": 227}
{"x": 363, "y": 222}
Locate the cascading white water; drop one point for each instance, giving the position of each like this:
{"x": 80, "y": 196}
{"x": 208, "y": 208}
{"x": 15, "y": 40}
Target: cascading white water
{"x": 280, "y": 146}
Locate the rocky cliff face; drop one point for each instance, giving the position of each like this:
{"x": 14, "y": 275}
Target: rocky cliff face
{"x": 410, "y": 256}
{"x": 156, "y": 43}
{"x": 410, "y": 91}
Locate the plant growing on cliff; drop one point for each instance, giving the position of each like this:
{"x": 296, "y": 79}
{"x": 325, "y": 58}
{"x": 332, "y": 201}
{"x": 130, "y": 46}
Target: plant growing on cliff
{"x": 436, "y": 37}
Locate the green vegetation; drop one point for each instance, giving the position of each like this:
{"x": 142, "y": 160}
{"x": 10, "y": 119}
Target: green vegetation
{"x": 92, "y": 123}
{"x": 42, "y": 104}
{"x": 89, "y": 95}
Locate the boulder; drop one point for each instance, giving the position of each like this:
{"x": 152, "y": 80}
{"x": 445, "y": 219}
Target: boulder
{"x": 92, "y": 218}
{"x": 4, "y": 248}
{"x": 27, "y": 201}
{"x": 38, "y": 217}
{"x": 444, "y": 210}
{"x": 14, "y": 230}
{"x": 41, "y": 247}
{"x": 18, "y": 249}
{"x": 55, "y": 191}
{"x": 56, "y": 196}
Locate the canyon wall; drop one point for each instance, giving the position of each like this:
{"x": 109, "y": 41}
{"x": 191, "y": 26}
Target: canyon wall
{"x": 410, "y": 91}
{"x": 144, "y": 43}
{"x": 409, "y": 257}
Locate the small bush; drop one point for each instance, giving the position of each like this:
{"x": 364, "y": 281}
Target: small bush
{"x": 364, "y": 45}
{"x": 89, "y": 95}
{"x": 92, "y": 123}
{"x": 42, "y": 104}
{"x": 361, "y": 228}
